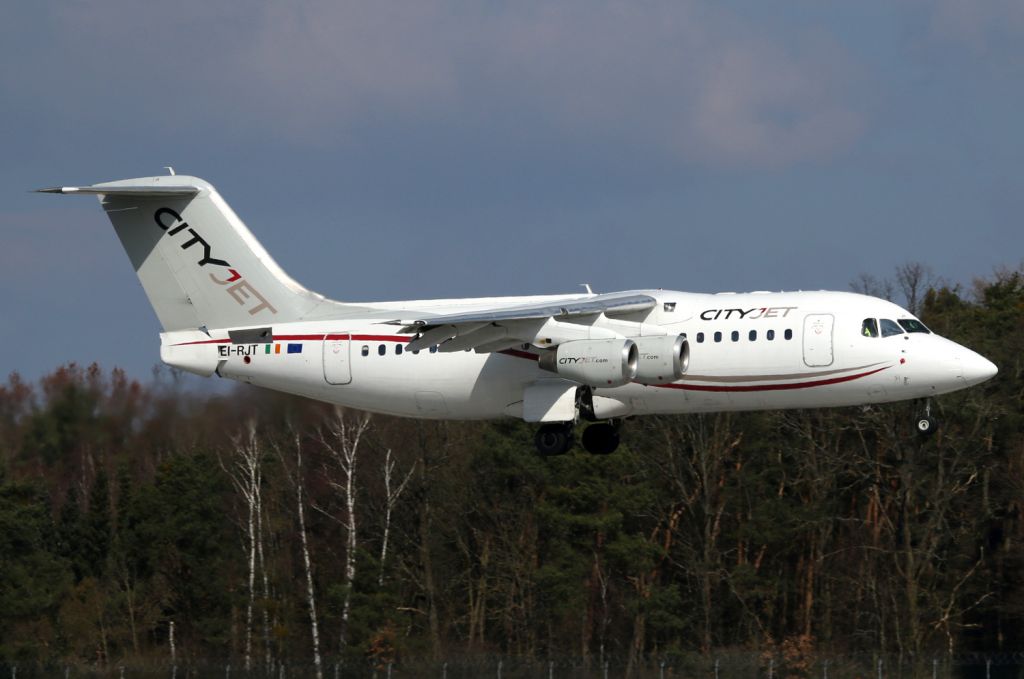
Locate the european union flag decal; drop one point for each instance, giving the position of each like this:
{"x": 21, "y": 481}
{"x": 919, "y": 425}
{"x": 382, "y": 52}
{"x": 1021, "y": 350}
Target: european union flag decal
{"x": 294, "y": 348}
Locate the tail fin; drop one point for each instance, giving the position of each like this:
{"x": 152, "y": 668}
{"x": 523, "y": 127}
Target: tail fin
{"x": 199, "y": 264}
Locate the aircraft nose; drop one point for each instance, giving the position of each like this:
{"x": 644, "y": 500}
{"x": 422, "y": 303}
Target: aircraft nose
{"x": 976, "y": 368}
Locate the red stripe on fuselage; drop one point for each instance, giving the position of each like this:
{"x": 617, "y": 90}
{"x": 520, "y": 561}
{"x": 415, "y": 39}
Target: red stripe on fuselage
{"x": 317, "y": 338}
{"x": 275, "y": 338}
{"x": 210, "y": 341}
{"x": 770, "y": 387}
{"x": 381, "y": 338}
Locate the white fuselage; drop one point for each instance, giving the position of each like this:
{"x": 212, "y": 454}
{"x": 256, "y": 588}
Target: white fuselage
{"x": 748, "y": 351}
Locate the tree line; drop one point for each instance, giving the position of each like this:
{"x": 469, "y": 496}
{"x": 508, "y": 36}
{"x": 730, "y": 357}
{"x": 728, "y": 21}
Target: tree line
{"x": 145, "y": 521}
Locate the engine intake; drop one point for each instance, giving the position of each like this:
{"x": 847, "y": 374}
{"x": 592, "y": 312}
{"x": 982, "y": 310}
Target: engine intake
{"x": 596, "y": 363}
{"x": 663, "y": 359}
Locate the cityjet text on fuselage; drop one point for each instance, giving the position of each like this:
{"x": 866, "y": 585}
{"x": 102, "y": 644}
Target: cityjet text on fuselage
{"x": 746, "y": 314}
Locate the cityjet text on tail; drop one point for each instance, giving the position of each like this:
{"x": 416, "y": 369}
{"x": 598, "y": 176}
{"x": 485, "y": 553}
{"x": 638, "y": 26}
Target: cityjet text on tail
{"x": 227, "y": 309}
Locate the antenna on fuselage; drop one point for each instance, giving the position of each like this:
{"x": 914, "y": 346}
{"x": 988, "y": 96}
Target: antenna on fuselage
{"x": 586, "y": 286}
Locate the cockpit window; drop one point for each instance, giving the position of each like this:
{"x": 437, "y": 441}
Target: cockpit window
{"x": 869, "y": 328}
{"x": 913, "y": 325}
{"x": 890, "y": 328}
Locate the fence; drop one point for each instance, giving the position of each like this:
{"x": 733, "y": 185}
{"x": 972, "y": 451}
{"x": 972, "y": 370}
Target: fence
{"x": 715, "y": 666}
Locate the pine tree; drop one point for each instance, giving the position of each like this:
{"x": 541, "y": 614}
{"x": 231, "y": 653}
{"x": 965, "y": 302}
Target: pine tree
{"x": 97, "y": 529}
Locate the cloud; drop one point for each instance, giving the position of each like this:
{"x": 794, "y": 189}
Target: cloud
{"x": 689, "y": 78}
{"x": 760, "y": 103}
{"x": 684, "y": 76}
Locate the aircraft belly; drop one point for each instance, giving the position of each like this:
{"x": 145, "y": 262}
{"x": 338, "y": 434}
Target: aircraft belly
{"x": 460, "y": 385}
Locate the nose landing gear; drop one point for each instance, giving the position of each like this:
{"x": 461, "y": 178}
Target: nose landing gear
{"x": 926, "y": 424}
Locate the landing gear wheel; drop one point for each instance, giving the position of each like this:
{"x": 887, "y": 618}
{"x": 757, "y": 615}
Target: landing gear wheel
{"x": 601, "y": 438}
{"x": 554, "y": 439}
{"x": 926, "y": 424}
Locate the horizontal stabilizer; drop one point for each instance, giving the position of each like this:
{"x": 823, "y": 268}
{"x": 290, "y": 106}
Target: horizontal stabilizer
{"x": 140, "y": 191}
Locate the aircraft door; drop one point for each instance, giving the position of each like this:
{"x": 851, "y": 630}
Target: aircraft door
{"x": 337, "y": 367}
{"x": 818, "y": 339}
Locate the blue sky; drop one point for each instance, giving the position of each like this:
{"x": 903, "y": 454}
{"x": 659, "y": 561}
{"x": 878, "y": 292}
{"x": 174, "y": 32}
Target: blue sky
{"x": 435, "y": 149}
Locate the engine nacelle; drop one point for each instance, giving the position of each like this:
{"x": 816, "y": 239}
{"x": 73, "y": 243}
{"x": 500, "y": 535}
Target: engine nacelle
{"x": 662, "y": 359}
{"x": 596, "y": 363}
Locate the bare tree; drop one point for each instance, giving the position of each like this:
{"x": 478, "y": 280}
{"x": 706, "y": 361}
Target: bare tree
{"x": 392, "y": 495}
{"x": 298, "y": 483}
{"x": 866, "y": 284}
{"x": 341, "y": 438}
{"x": 695, "y": 458}
{"x": 262, "y": 566}
{"x": 246, "y": 474}
{"x": 914, "y": 280}
{"x": 920, "y": 515}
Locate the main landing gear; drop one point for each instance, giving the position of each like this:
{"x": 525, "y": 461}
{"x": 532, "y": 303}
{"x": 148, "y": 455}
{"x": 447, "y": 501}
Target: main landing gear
{"x": 600, "y": 438}
{"x": 554, "y": 439}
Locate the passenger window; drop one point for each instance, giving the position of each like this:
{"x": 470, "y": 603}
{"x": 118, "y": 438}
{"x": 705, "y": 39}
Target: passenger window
{"x": 398, "y": 350}
{"x": 700, "y": 338}
{"x": 913, "y": 325}
{"x": 788, "y": 334}
{"x": 752, "y": 336}
{"x": 890, "y": 328}
{"x": 381, "y": 349}
{"x": 869, "y": 328}
{"x": 366, "y": 350}
{"x": 718, "y": 336}
{"x": 735, "y": 335}
{"x": 770, "y": 335}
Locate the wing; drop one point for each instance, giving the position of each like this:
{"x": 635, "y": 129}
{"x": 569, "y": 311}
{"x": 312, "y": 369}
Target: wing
{"x": 545, "y": 324}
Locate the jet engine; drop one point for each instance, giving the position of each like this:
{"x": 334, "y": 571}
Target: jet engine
{"x": 596, "y": 363}
{"x": 662, "y": 359}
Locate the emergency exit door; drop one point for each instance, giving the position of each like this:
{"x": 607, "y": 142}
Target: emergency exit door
{"x": 818, "y": 339}
{"x": 337, "y": 367}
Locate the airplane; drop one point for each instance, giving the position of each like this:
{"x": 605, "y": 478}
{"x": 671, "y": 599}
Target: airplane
{"x": 227, "y": 309}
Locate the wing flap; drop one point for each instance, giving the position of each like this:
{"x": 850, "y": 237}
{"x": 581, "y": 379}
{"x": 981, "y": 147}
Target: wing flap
{"x": 479, "y": 337}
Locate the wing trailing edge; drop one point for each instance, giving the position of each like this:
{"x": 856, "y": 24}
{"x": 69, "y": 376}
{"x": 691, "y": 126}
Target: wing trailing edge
{"x": 548, "y": 323}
